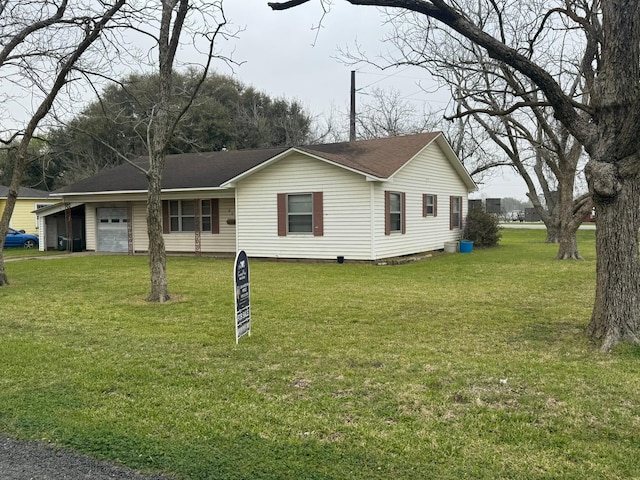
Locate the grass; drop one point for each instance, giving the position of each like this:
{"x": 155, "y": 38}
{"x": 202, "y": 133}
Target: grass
{"x": 460, "y": 366}
{"x": 19, "y": 252}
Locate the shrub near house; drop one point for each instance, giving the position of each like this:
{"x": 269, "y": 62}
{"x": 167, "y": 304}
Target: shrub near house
{"x": 482, "y": 228}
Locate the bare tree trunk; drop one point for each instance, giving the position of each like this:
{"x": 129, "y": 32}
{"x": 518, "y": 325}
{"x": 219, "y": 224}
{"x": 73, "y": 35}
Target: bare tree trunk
{"x": 616, "y": 312}
{"x": 553, "y": 233}
{"x": 4, "y": 222}
{"x": 92, "y": 29}
{"x": 568, "y": 248}
{"x": 157, "y": 255}
{"x": 158, "y": 136}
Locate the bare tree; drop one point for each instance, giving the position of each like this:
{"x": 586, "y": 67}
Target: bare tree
{"x": 605, "y": 122}
{"x": 168, "y": 112}
{"x": 387, "y": 114}
{"x": 508, "y": 110}
{"x": 42, "y": 43}
{"x": 539, "y": 148}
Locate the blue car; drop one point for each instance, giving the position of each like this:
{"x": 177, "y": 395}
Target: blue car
{"x": 15, "y": 238}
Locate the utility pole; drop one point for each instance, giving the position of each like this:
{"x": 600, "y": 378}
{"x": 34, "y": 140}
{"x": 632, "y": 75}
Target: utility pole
{"x": 352, "y": 116}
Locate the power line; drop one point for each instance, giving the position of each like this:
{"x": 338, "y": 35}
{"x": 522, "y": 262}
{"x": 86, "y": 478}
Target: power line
{"x": 384, "y": 77}
{"x": 392, "y": 75}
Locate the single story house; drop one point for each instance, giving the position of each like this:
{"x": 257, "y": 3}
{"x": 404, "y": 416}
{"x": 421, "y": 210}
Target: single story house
{"x": 364, "y": 200}
{"x": 29, "y": 200}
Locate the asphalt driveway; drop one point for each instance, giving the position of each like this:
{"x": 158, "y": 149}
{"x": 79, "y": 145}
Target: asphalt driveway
{"x": 38, "y": 461}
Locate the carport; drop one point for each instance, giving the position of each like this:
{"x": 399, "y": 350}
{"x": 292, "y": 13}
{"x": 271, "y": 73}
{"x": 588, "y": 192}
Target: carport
{"x": 62, "y": 227}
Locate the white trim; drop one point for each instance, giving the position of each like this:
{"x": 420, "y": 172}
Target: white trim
{"x": 55, "y": 208}
{"x": 456, "y": 163}
{"x": 129, "y": 192}
{"x": 372, "y": 216}
{"x": 235, "y": 213}
{"x": 450, "y": 155}
{"x": 42, "y": 205}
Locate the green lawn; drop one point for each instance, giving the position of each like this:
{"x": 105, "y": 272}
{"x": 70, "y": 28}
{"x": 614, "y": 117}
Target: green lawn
{"x": 459, "y": 366}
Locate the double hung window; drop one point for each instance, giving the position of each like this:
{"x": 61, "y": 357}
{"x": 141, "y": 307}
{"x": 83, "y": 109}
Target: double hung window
{"x": 455, "y": 218}
{"x": 395, "y": 212}
{"x": 300, "y": 213}
{"x": 183, "y": 214}
{"x": 429, "y": 205}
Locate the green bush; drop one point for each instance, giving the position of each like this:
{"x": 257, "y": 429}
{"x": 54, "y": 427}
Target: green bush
{"x": 482, "y": 228}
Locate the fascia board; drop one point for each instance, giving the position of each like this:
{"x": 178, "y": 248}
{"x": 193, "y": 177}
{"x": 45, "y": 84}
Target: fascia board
{"x": 136, "y": 192}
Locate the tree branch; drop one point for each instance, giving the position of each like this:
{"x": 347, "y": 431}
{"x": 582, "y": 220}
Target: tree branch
{"x": 286, "y": 5}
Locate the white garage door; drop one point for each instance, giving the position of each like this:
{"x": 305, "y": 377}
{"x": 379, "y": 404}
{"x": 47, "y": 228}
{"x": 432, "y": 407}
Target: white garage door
{"x": 112, "y": 230}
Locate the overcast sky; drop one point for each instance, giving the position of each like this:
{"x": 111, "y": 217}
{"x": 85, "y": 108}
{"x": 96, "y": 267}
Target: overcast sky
{"x": 285, "y": 56}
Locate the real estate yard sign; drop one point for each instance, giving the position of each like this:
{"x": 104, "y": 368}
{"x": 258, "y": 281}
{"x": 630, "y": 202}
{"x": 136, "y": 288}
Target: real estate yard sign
{"x": 243, "y": 304}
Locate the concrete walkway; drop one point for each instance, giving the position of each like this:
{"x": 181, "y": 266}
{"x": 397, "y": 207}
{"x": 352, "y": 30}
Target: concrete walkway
{"x": 541, "y": 226}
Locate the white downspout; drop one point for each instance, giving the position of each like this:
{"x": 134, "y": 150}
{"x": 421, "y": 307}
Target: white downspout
{"x": 372, "y": 213}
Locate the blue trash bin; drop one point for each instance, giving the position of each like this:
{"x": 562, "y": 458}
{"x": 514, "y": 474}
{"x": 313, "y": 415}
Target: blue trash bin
{"x": 466, "y": 246}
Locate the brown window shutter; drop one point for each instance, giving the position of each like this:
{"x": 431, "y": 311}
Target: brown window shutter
{"x": 318, "y": 214}
{"x": 387, "y": 212}
{"x": 166, "y": 223}
{"x": 424, "y": 204}
{"x": 215, "y": 216}
{"x": 282, "y": 214}
{"x": 435, "y": 205}
{"x": 403, "y": 213}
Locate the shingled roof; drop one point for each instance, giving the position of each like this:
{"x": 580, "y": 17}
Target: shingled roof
{"x": 379, "y": 158}
{"x": 24, "y": 192}
{"x": 182, "y": 171}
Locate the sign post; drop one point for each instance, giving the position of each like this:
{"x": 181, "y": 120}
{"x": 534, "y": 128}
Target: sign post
{"x": 242, "y": 300}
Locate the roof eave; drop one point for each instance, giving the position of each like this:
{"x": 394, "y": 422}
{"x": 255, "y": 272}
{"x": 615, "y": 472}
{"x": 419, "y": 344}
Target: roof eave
{"x": 135, "y": 192}
{"x": 456, "y": 163}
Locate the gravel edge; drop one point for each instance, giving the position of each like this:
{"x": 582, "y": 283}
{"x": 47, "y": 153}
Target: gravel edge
{"x": 29, "y": 460}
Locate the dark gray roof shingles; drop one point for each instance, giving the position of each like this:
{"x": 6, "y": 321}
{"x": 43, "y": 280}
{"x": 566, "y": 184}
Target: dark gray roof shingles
{"x": 24, "y": 192}
{"x": 379, "y": 158}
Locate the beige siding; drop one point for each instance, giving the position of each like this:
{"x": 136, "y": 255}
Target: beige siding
{"x": 353, "y": 211}
{"x": 174, "y": 242}
{"x": 139, "y": 226}
{"x": 90, "y": 224}
{"x": 430, "y": 172}
{"x": 225, "y": 241}
{"x": 346, "y": 209}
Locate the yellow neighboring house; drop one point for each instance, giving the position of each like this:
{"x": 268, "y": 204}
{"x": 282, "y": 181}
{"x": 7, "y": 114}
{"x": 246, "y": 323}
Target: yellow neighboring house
{"x": 29, "y": 199}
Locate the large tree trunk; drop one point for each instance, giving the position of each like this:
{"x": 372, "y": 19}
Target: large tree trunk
{"x": 616, "y": 312}
{"x": 157, "y": 254}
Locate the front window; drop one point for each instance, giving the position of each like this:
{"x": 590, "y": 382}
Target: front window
{"x": 300, "y": 213}
{"x": 395, "y": 211}
{"x": 182, "y": 215}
